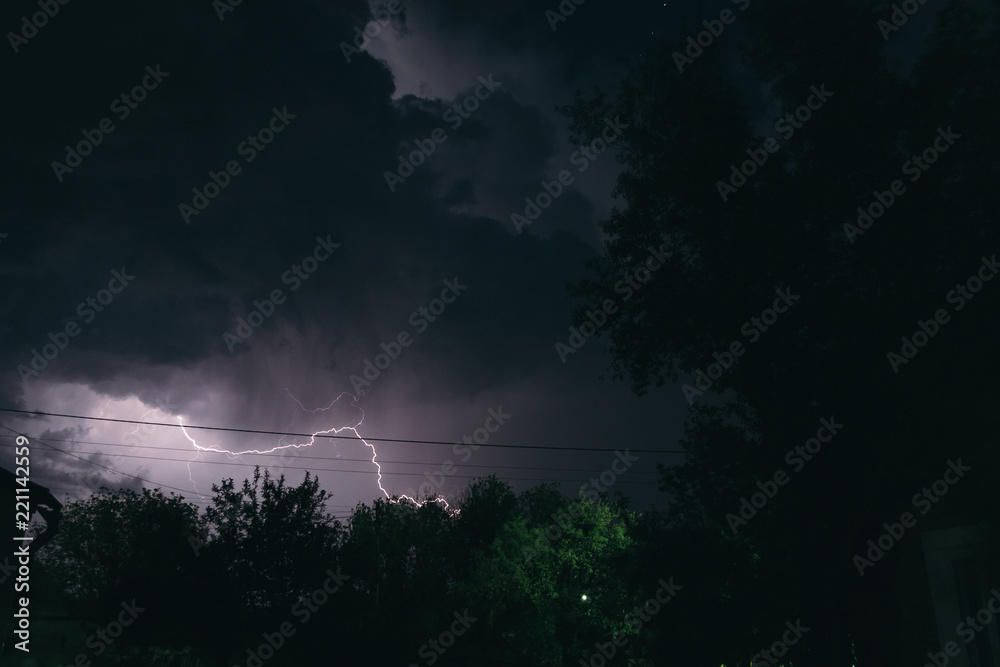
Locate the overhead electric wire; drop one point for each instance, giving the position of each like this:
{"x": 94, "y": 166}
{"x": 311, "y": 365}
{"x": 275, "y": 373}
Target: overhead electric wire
{"x": 202, "y": 501}
{"x": 142, "y": 479}
{"x": 338, "y": 437}
{"x": 299, "y": 456}
{"x": 262, "y": 432}
{"x": 357, "y": 472}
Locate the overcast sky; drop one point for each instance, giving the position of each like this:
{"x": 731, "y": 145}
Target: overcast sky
{"x": 307, "y": 138}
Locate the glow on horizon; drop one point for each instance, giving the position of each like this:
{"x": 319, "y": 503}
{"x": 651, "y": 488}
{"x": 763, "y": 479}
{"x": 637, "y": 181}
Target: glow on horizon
{"x": 312, "y": 440}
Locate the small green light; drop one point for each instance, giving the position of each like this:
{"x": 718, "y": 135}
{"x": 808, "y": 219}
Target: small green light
{"x": 583, "y": 597}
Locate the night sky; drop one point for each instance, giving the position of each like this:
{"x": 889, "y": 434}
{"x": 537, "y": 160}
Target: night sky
{"x": 232, "y": 229}
{"x": 191, "y": 90}
{"x": 237, "y": 181}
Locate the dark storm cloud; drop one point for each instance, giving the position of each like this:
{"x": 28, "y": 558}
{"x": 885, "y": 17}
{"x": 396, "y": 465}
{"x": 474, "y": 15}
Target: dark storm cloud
{"x": 320, "y": 176}
{"x": 64, "y": 465}
{"x": 206, "y": 86}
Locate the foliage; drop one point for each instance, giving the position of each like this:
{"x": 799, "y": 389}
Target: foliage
{"x": 272, "y": 541}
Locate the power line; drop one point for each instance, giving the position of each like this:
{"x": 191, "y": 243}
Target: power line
{"x": 299, "y": 456}
{"x": 119, "y": 472}
{"x": 338, "y": 470}
{"x": 339, "y": 437}
{"x": 202, "y": 501}
{"x": 365, "y": 472}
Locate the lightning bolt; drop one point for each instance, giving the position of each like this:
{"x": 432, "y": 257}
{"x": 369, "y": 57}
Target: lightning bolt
{"x": 197, "y": 457}
{"x": 133, "y": 433}
{"x": 304, "y": 409}
{"x": 353, "y": 428}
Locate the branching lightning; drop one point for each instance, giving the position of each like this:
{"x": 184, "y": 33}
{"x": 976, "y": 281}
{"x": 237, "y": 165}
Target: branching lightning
{"x": 352, "y": 428}
{"x": 134, "y": 432}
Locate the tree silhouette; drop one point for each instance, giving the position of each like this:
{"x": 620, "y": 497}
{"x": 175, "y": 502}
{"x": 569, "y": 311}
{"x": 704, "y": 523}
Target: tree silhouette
{"x": 273, "y": 542}
{"x": 791, "y": 226}
{"x": 118, "y": 546}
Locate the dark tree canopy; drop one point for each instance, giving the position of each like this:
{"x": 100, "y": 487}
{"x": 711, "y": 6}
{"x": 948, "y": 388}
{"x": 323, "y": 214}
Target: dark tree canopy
{"x": 271, "y": 540}
{"x": 793, "y": 227}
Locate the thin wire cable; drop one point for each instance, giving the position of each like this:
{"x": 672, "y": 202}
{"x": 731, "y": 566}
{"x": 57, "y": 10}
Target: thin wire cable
{"x": 338, "y": 437}
{"x": 299, "y": 456}
{"x": 119, "y": 472}
{"x": 363, "y": 472}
